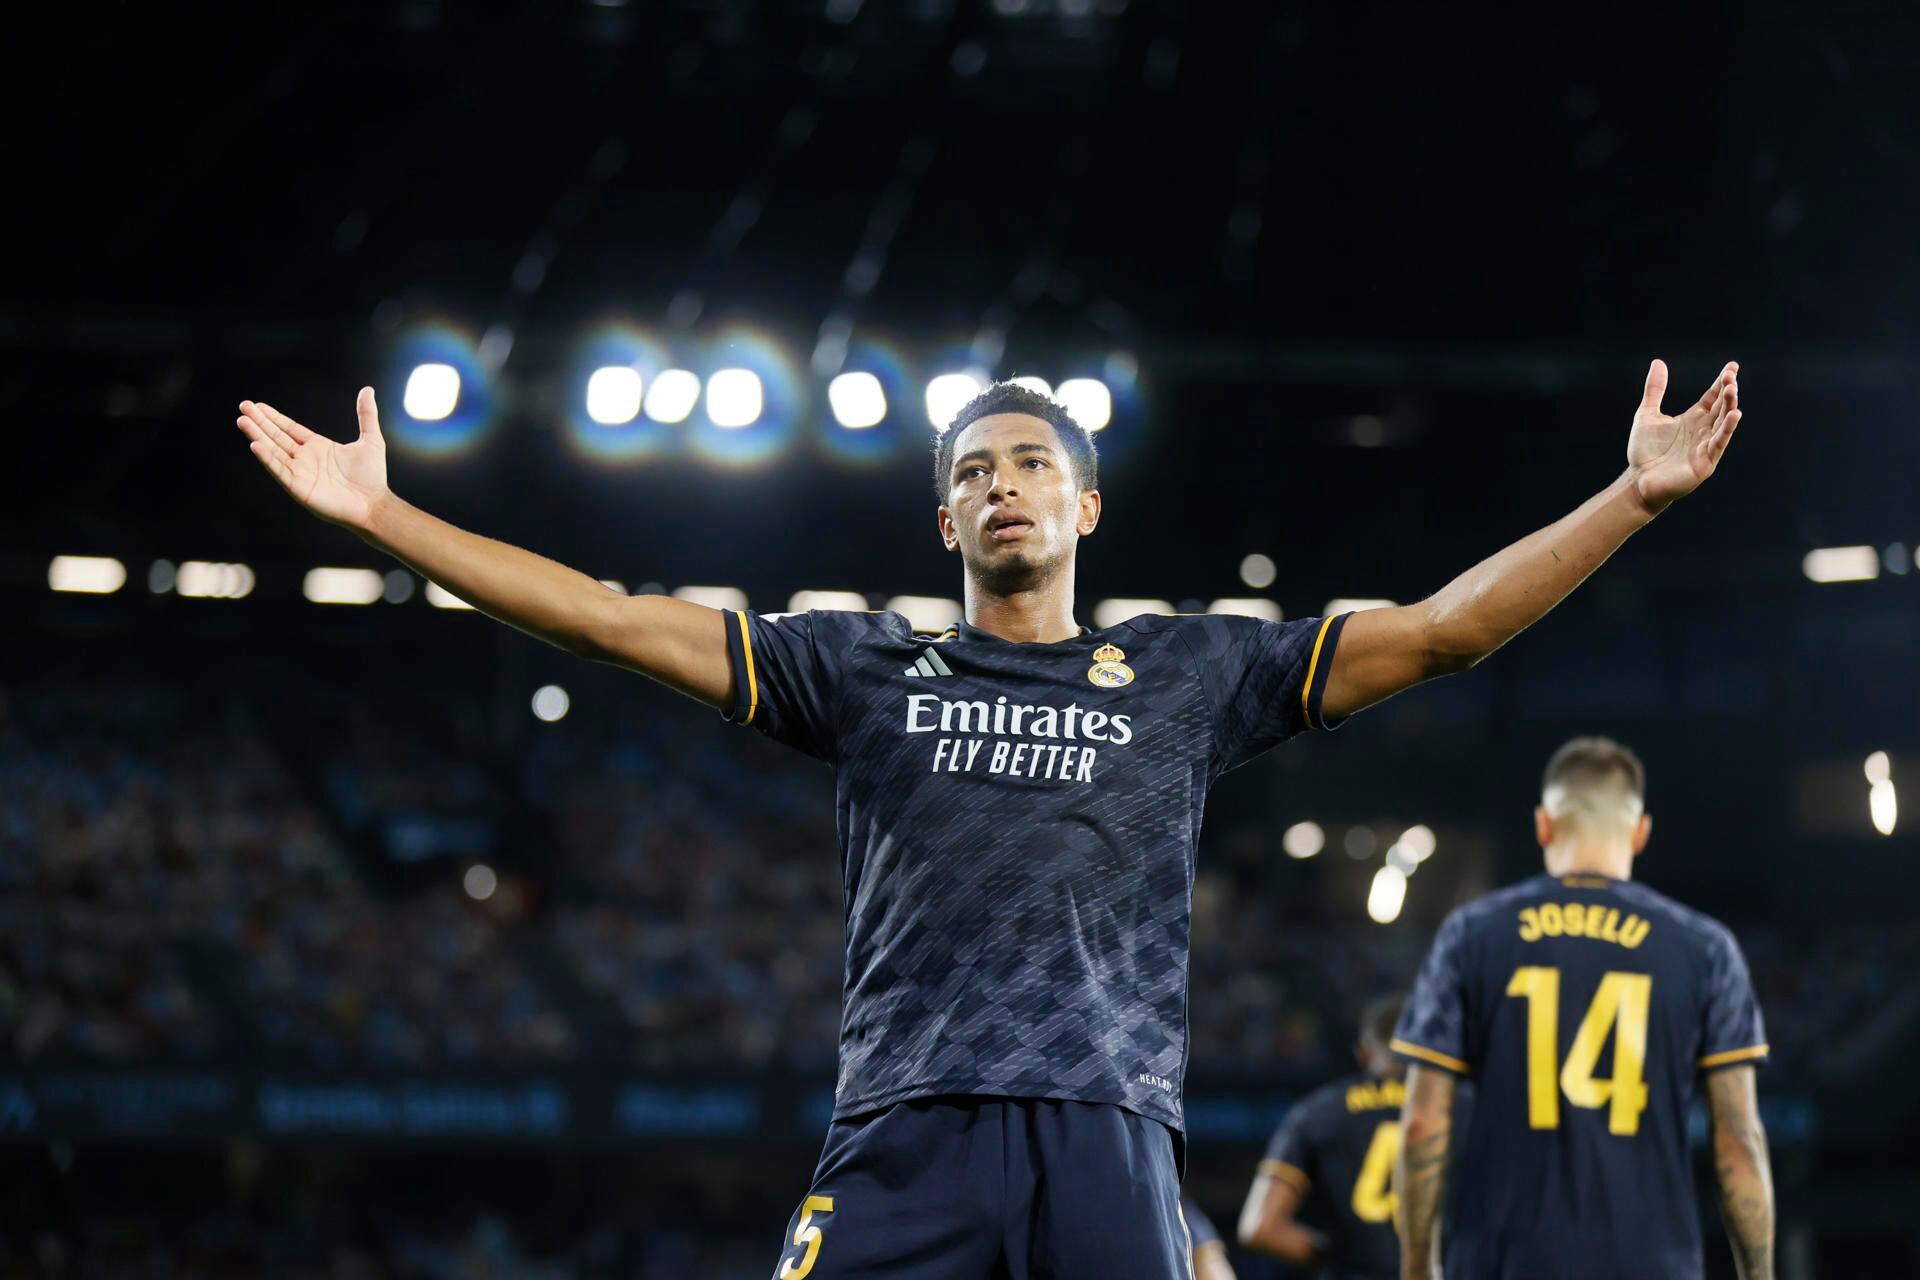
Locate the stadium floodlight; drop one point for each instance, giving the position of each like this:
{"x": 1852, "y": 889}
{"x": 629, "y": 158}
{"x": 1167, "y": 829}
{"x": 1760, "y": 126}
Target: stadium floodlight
{"x": 433, "y": 392}
{"x": 1419, "y": 841}
{"x": 672, "y": 396}
{"x": 1883, "y": 807}
{"x": 1303, "y": 839}
{"x": 480, "y": 882}
{"x": 614, "y": 584}
{"x": 1246, "y": 607}
{"x": 613, "y": 395}
{"x": 550, "y": 703}
{"x": 858, "y": 400}
{"x": 1401, "y": 859}
{"x": 1038, "y": 385}
{"x": 1353, "y": 604}
{"x": 1088, "y": 400}
{"x": 1388, "y": 895}
{"x": 927, "y": 613}
{"x": 843, "y": 600}
{"x": 1111, "y": 613}
{"x": 1879, "y": 767}
{"x": 1258, "y": 571}
{"x": 947, "y": 395}
{"x": 1841, "y": 564}
{"x": 89, "y": 575}
{"x": 713, "y": 597}
{"x": 343, "y": 586}
{"x": 397, "y": 586}
{"x": 734, "y": 398}
{"x": 441, "y": 598}
{"x": 160, "y": 577}
{"x": 213, "y": 580}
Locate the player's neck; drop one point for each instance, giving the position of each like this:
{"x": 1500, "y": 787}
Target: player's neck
{"x": 1041, "y": 613}
{"x": 1573, "y": 858}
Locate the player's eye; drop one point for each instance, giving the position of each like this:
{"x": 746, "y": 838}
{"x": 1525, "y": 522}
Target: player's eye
{"x": 1036, "y": 462}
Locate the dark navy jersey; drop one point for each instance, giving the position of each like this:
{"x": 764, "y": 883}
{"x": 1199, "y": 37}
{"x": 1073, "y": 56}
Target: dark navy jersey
{"x": 1337, "y": 1147}
{"x": 1585, "y": 1009}
{"x": 1017, "y": 826}
{"x": 1201, "y": 1233}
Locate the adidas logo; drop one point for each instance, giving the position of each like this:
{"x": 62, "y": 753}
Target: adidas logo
{"x": 930, "y": 663}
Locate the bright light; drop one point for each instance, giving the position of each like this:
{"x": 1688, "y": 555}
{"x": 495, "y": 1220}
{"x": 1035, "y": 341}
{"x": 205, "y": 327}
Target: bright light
{"x": 672, "y": 396}
{"x": 734, "y": 398}
{"x": 1401, "y": 859}
{"x": 613, "y": 395}
{"x": 1031, "y": 383}
{"x": 398, "y": 588}
{"x": 211, "y": 580}
{"x": 926, "y": 613}
{"x": 713, "y": 597}
{"x": 1388, "y": 895}
{"x": 1088, "y": 400}
{"x": 1841, "y": 564}
{"x": 1246, "y": 607}
{"x": 160, "y": 576}
{"x": 480, "y": 882}
{"x": 1258, "y": 571}
{"x": 433, "y": 392}
{"x": 550, "y": 702}
{"x": 858, "y": 400}
{"x": 1879, "y": 767}
{"x": 947, "y": 394}
{"x": 1883, "y": 806}
{"x": 92, "y": 575}
{"x": 1353, "y": 604}
{"x": 1419, "y": 842}
{"x": 343, "y": 586}
{"x": 805, "y": 600}
{"x": 1111, "y": 613}
{"x": 1303, "y": 839}
{"x": 441, "y": 598}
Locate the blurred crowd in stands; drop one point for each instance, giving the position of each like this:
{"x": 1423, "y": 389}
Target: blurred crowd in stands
{"x": 184, "y": 874}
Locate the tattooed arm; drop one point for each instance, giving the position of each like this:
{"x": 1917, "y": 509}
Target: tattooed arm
{"x": 1740, "y": 1163}
{"x": 1420, "y": 1174}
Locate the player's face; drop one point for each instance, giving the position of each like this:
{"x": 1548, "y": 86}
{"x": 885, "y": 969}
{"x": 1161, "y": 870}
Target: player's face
{"x": 1013, "y": 510}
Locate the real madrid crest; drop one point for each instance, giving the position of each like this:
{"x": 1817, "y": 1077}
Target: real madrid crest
{"x": 1109, "y": 670}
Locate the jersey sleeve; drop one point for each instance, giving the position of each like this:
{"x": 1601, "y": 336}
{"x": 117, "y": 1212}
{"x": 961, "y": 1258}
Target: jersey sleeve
{"x": 1264, "y": 680}
{"x": 1290, "y": 1152}
{"x": 1733, "y": 1033}
{"x": 1433, "y": 1027}
{"x": 787, "y": 672}
{"x": 1200, "y": 1227}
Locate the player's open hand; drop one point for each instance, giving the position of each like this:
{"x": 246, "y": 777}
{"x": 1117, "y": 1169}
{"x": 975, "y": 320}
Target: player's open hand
{"x": 1668, "y": 458}
{"x": 337, "y": 482}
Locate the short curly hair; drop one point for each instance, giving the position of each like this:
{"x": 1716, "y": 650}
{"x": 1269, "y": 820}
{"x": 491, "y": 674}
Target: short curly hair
{"x": 1011, "y": 397}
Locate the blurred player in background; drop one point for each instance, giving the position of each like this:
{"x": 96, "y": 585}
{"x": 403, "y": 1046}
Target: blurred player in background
{"x": 1209, "y": 1250}
{"x": 1333, "y": 1157}
{"x": 1587, "y": 1009}
{"x": 1019, "y": 804}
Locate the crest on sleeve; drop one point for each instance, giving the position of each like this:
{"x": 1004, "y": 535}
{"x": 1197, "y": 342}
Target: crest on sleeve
{"x": 1109, "y": 670}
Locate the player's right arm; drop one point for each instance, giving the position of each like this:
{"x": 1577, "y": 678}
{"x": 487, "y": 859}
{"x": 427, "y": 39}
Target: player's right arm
{"x": 676, "y": 642}
{"x": 1420, "y": 1174}
{"x": 1740, "y": 1164}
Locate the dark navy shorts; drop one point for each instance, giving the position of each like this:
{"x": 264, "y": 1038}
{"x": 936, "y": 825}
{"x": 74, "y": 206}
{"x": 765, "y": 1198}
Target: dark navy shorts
{"x": 984, "y": 1188}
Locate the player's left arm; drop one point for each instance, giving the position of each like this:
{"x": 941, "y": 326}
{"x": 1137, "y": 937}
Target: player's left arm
{"x": 1210, "y": 1262}
{"x": 1740, "y": 1164}
{"x": 1420, "y": 1174}
{"x": 1383, "y": 651}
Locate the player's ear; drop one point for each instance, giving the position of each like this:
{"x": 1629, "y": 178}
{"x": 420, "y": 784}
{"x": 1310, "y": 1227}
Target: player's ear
{"x": 1089, "y": 514}
{"x": 1641, "y": 831}
{"x": 1542, "y": 825}
{"x": 949, "y": 532}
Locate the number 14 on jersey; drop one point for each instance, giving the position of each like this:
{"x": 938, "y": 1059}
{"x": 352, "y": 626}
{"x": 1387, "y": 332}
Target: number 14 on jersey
{"x": 1620, "y": 1009}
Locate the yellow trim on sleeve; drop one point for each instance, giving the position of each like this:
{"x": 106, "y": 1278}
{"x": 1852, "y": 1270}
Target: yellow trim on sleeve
{"x": 1734, "y": 1055}
{"x": 1306, "y": 690}
{"x": 1429, "y": 1055}
{"x": 753, "y": 683}
{"x": 1287, "y": 1173}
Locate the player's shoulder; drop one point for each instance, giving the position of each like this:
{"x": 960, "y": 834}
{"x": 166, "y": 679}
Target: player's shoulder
{"x": 1707, "y": 934}
{"x": 1496, "y": 905}
{"x": 829, "y": 627}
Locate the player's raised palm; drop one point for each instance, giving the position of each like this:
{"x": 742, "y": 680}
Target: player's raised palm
{"x": 337, "y": 482}
{"x": 1670, "y": 457}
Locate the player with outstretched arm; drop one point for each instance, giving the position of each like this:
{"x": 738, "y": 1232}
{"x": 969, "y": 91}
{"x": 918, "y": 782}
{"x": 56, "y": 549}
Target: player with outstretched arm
{"x": 1019, "y": 804}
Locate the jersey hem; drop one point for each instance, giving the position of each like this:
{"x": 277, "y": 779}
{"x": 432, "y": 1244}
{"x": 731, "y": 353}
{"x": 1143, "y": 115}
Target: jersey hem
{"x": 1734, "y": 1057}
{"x": 853, "y": 1108}
{"x": 1431, "y": 1057}
{"x": 1293, "y": 1175}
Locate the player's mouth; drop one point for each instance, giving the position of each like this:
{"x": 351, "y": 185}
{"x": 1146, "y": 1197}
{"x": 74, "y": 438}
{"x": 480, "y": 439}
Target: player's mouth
{"x": 1003, "y": 528}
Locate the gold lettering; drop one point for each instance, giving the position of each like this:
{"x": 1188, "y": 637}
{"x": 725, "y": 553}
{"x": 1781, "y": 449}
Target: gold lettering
{"x": 1576, "y": 920}
{"x": 1552, "y": 922}
{"x": 1634, "y": 932}
{"x": 1610, "y": 931}
{"x": 1529, "y": 925}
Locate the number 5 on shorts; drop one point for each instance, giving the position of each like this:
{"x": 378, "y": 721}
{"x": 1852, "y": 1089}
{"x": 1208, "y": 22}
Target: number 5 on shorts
{"x": 805, "y": 1233}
